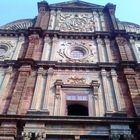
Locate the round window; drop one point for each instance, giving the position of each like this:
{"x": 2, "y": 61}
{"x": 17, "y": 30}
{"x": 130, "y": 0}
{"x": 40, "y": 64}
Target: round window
{"x": 3, "y": 49}
{"x": 76, "y": 54}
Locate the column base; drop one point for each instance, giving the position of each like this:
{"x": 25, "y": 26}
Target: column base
{"x": 38, "y": 112}
{"x": 116, "y": 114}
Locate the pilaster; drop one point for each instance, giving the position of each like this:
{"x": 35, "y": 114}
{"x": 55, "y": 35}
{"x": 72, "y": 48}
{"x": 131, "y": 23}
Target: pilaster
{"x": 50, "y": 73}
{"x": 108, "y": 48}
{"x": 38, "y": 93}
{"x": 24, "y": 73}
{"x": 133, "y": 88}
{"x": 118, "y": 96}
{"x": 4, "y": 86}
{"x": 108, "y": 100}
{"x": 52, "y": 20}
{"x": 47, "y": 49}
{"x": 20, "y": 42}
{"x": 100, "y": 49}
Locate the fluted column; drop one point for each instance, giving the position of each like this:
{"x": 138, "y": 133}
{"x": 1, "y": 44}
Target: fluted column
{"x": 54, "y": 43}
{"x": 57, "y": 106}
{"x": 47, "y": 90}
{"x": 52, "y": 20}
{"x": 46, "y": 49}
{"x": 100, "y": 49}
{"x": 3, "y": 93}
{"x": 108, "y": 100}
{"x": 57, "y": 19}
{"x": 97, "y": 21}
{"x": 108, "y": 48}
{"x": 132, "y": 42}
{"x": 21, "y": 40}
{"x": 116, "y": 90}
{"x": 38, "y": 93}
{"x": 95, "y": 97}
{"x": 102, "y": 21}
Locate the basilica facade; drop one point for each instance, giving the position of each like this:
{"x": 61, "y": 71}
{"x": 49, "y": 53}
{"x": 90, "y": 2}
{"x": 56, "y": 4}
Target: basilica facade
{"x": 71, "y": 73}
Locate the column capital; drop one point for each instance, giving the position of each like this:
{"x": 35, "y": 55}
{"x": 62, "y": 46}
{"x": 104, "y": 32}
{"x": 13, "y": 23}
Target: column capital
{"x": 99, "y": 40}
{"x": 47, "y": 39}
{"x": 40, "y": 71}
{"x": 103, "y": 72}
{"x": 50, "y": 71}
{"x": 113, "y": 72}
{"x": 9, "y": 70}
{"x": 40, "y": 136}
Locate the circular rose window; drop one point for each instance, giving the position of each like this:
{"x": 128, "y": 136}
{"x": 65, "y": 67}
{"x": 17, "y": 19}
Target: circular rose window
{"x": 77, "y": 54}
{"x": 3, "y": 49}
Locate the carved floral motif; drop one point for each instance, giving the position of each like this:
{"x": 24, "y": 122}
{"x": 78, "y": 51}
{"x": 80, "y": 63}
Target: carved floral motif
{"x": 76, "y": 80}
{"x": 76, "y": 22}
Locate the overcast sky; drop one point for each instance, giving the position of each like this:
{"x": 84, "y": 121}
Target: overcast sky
{"x": 11, "y": 10}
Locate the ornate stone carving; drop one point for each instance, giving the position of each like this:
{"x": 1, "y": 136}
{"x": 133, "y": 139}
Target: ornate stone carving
{"x": 86, "y": 51}
{"x": 6, "y": 50}
{"x": 40, "y": 136}
{"x": 121, "y": 41}
{"x": 75, "y": 80}
{"x": 76, "y": 22}
{"x": 27, "y": 135}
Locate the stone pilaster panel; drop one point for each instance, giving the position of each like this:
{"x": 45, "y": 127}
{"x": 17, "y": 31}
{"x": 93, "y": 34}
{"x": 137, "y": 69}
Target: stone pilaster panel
{"x": 133, "y": 89}
{"x": 24, "y": 73}
{"x": 125, "y": 51}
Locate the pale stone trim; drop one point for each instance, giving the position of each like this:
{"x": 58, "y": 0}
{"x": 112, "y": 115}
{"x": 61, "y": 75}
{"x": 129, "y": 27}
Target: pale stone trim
{"x": 47, "y": 49}
{"x": 116, "y": 90}
{"x": 108, "y": 49}
{"x": 38, "y": 93}
{"x": 21, "y": 40}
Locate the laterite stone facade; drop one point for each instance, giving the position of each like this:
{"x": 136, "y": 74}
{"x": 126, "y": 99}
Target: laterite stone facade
{"x": 71, "y": 73}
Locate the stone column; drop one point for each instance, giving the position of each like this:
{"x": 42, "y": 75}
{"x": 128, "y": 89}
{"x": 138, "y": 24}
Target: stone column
{"x": 97, "y": 21}
{"x": 108, "y": 100}
{"x": 57, "y": 20}
{"x": 132, "y": 42}
{"x": 100, "y": 49}
{"x": 108, "y": 48}
{"x": 58, "y": 85}
{"x": 3, "y": 93}
{"x": 103, "y": 25}
{"x": 5, "y": 81}
{"x": 47, "y": 90}
{"x": 116, "y": 90}
{"x": 95, "y": 86}
{"x": 47, "y": 49}
{"x": 21, "y": 40}
{"x": 38, "y": 93}
{"x": 52, "y": 20}
{"x": 91, "y": 104}
{"x": 52, "y": 53}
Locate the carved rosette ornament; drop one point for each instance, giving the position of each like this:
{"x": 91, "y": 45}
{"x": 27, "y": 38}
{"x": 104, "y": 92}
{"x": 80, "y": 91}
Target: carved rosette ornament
{"x": 76, "y": 22}
{"x": 78, "y": 52}
{"x": 6, "y": 50}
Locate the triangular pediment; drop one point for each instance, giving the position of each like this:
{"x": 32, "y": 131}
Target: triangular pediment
{"x": 76, "y": 3}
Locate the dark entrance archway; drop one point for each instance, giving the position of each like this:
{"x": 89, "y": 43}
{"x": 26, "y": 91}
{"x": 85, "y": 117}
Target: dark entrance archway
{"x": 77, "y": 110}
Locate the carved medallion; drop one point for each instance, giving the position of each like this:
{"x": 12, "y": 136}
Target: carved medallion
{"x": 76, "y": 22}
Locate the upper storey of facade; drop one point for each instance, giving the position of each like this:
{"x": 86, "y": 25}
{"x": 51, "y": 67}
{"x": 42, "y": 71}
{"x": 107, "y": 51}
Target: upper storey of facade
{"x": 74, "y": 16}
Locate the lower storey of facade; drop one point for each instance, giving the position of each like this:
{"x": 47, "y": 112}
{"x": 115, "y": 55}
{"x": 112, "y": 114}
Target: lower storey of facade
{"x": 41, "y": 127}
